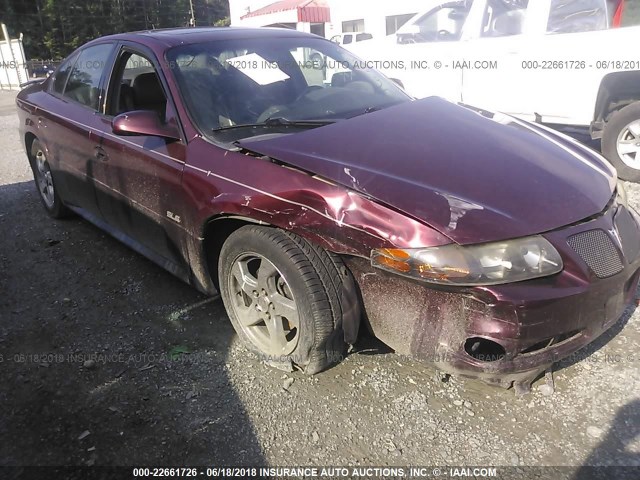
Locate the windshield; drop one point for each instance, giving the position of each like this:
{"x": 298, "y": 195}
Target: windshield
{"x": 577, "y": 16}
{"x": 252, "y": 82}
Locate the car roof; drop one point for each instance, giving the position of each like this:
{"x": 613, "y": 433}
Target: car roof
{"x": 172, "y": 37}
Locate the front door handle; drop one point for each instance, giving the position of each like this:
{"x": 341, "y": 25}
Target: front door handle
{"x": 100, "y": 153}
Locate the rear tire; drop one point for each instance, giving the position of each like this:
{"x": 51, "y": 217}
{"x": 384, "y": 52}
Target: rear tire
{"x": 44, "y": 182}
{"x": 621, "y": 142}
{"x": 283, "y": 296}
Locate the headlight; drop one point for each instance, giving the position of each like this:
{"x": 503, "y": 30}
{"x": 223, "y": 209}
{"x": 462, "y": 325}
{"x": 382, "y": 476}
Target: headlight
{"x": 486, "y": 264}
{"x": 621, "y": 195}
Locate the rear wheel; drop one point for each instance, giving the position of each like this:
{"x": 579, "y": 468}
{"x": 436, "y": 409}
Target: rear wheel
{"x": 621, "y": 142}
{"x": 44, "y": 182}
{"x": 283, "y": 296}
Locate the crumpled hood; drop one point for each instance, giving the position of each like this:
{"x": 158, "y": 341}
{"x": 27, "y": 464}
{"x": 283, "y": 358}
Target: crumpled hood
{"x": 473, "y": 178}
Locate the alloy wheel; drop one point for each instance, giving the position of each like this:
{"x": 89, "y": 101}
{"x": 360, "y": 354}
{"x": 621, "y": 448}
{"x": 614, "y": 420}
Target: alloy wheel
{"x": 44, "y": 179}
{"x": 264, "y": 305}
{"x": 629, "y": 145}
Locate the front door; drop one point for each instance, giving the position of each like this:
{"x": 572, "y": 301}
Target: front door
{"x": 140, "y": 176}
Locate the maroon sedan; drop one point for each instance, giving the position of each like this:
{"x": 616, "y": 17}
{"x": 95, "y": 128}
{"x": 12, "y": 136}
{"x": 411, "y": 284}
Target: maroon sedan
{"x": 315, "y": 195}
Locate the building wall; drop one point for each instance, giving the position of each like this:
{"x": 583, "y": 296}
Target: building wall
{"x": 374, "y": 13}
{"x": 238, "y": 8}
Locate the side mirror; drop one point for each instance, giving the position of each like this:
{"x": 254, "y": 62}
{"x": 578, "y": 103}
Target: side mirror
{"x": 398, "y": 82}
{"x": 143, "y": 122}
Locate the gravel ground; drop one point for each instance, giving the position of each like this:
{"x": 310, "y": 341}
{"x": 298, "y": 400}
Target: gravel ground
{"x": 108, "y": 360}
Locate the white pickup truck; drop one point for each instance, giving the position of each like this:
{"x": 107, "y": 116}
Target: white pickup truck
{"x": 557, "y": 62}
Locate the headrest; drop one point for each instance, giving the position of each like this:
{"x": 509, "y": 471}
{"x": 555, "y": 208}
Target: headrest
{"x": 509, "y": 23}
{"x": 148, "y": 89}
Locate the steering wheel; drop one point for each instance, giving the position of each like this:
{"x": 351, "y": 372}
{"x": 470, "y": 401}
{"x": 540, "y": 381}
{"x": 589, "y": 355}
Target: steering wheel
{"x": 270, "y": 112}
{"x": 308, "y": 90}
{"x": 274, "y": 109}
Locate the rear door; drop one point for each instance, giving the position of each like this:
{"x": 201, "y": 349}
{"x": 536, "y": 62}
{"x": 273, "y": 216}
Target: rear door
{"x": 544, "y": 54}
{"x": 79, "y": 91}
{"x": 494, "y": 77}
{"x": 139, "y": 191}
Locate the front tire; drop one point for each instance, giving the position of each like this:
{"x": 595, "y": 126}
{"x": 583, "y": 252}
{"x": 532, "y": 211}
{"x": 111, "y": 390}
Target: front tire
{"x": 283, "y": 296}
{"x": 621, "y": 142}
{"x": 44, "y": 182}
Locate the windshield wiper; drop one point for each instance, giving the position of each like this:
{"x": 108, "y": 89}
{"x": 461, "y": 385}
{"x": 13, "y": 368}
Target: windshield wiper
{"x": 278, "y": 122}
{"x": 367, "y": 110}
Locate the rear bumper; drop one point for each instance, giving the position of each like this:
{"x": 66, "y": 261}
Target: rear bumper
{"x": 531, "y": 324}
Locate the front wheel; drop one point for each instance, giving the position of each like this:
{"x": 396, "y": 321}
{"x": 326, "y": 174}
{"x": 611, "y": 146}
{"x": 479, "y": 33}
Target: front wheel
{"x": 621, "y": 142}
{"x": 44, "y": 181}
{"x": 284, "y": 297}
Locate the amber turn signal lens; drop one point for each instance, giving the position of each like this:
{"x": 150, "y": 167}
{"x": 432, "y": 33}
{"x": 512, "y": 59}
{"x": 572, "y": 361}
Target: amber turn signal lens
{"x": 393, "y": 264}
{"x": 395, "y": 253}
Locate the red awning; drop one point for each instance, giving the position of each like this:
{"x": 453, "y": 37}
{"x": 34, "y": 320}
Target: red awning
{"x": 311, "y": 11}
{"x": 617, "y": 18}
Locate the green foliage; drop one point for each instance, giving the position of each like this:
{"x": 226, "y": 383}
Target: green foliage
{"x": 176, "y": 352}
{"x": 223, "y": 22}
{"x": 54, "y": 28}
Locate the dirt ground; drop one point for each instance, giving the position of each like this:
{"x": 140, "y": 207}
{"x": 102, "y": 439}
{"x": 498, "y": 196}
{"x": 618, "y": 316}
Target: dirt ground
{"x": 106, "y": 359}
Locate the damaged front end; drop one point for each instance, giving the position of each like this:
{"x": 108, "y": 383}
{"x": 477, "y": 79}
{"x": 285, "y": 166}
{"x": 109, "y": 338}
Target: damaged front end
{"x": 562, "y": 255}
{"x": 507, "y": 335}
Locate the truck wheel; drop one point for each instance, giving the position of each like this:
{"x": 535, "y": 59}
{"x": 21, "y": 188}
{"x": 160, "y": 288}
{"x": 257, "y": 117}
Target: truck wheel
{"x": 621, "y": 142}
{"x": 44, "y": 182}
{"x": 283, "y": 296}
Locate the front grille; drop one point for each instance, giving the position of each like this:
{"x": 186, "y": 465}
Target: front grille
{"x": 598, "y": 252}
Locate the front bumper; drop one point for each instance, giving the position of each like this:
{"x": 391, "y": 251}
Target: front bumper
{"x": 517, "y": 330}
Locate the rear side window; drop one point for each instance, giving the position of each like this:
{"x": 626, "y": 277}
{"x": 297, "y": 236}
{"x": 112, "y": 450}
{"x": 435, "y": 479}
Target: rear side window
{"x": 568, "y": 16}
{"x": 83, "y": 85}
{"x": 62, "y": 74}
{"x": 363, "y": 36}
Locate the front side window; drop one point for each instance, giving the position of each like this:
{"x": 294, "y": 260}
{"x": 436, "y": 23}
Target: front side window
{"x": 504, "y": 18}
{"x": 444, "y": 23}
{"x": 569, "y": 16}
{"x": 250, "y": 82}
{"x": 83, "y": 85}
{"x": 136, "y": 86}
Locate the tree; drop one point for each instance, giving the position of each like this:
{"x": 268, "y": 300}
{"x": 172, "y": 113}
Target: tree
{"x": 54, "y": 28}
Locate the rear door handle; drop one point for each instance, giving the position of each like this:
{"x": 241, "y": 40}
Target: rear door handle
{"x": 100, "y": 154}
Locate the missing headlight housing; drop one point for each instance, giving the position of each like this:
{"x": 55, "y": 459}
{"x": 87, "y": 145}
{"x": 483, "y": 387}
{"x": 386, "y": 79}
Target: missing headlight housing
{"x": 621, "y": 195}
{"x": 486, "y": 264}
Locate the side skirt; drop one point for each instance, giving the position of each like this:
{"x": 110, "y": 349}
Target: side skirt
{"x": 179, "y": 271}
